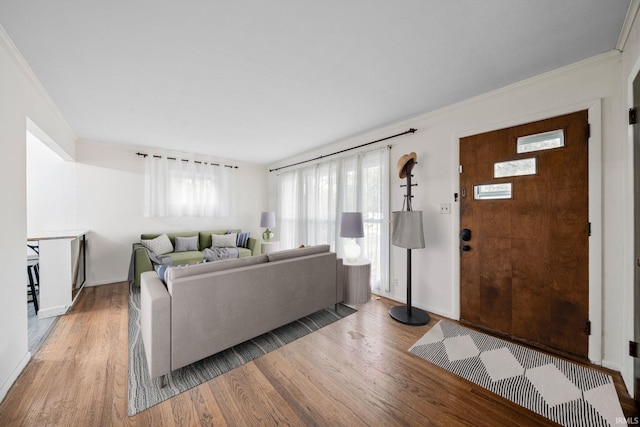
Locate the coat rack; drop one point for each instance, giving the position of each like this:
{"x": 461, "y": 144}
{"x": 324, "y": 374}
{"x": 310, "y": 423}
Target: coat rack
{"x": 408, "y": 233}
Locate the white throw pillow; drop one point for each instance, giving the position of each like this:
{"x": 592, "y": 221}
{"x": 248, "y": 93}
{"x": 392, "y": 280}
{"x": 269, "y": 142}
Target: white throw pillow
{"x": 160, "y": 245}
{"x": 223, "y": 240}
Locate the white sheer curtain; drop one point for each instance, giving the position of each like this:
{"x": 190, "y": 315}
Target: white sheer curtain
{"x": 177, "y": 188}
{"x": 311, "y": 199}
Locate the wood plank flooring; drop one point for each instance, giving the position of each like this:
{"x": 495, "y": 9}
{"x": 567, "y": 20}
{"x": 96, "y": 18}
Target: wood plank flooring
{"x": 38, "y": 329}
{"x": 354, "y": 372}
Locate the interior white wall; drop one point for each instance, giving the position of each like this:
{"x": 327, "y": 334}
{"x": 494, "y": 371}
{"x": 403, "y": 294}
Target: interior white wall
{"x": 51, "y": 189}
{"x": 435, "y": 268}
{"x": 103, "y": 191}
{"x": 22, "y": 98}
{"x": 110, "y": 195}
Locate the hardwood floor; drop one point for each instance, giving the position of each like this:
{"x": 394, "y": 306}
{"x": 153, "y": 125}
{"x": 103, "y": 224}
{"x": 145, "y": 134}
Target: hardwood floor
{"x": 354, "y": 372}
{"x": 37, "y": 329}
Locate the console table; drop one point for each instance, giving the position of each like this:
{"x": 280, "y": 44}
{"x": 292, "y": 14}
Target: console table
{"x": 62, "y": 269}
{"x": 357, "y": 281}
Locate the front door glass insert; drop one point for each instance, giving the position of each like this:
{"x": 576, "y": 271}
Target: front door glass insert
{"x": 492, "y": 191}
{"x": 540, "y": 141}
{"x": 515, "y": 168}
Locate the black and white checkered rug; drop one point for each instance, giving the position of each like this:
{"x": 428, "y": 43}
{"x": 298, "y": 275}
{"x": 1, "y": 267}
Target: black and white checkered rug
{"x": 567, "y": 393}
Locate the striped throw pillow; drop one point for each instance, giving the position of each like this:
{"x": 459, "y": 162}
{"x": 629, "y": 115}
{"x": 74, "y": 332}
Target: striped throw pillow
{"x": 242, "y": 241}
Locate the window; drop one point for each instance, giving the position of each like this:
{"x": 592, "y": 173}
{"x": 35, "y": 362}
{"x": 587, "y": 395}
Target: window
{"x": 540, "y": 141}
{"x": 311, "y": 199}
{"x": 514, "y": 168}
{"x": 177, "y": 188}
{"x": 492, "y": 191}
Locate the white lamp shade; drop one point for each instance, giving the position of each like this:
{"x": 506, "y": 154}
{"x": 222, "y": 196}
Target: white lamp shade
{"x": 268, "y": 219}
{"x": 351, "y": 225}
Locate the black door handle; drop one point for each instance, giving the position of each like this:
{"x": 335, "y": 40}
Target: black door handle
{"x": 465, "y": 236}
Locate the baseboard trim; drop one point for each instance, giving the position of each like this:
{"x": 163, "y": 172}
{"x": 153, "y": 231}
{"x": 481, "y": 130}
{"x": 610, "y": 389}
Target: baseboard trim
{"x": 14, "y": 375}
{"x": 52, "y": 311}
{"x": 418, "y": 304}
{"x": 107, "y": 282}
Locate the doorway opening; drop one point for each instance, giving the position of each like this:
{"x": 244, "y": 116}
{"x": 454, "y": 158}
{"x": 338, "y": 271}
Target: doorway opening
{"x": 50, "y": 187}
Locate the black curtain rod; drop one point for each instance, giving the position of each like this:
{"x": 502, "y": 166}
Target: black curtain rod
{"x": 412, "y": 130}
{"x": 186, "y": 160}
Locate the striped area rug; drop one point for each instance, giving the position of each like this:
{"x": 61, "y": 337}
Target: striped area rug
{"x": 564, "y": 392}
{"x": 144, "y": 393}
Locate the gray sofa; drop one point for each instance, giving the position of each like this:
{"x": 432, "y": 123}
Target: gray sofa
{"x": 207, "y": 308}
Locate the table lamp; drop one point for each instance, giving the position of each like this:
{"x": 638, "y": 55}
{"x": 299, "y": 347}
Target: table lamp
{"x": 267, "y": 219}
{"x": 351, "y": 227}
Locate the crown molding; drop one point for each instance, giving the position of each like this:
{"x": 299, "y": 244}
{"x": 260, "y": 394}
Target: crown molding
{"x": 14, "y": 54}
{"x": 629, "y": 19}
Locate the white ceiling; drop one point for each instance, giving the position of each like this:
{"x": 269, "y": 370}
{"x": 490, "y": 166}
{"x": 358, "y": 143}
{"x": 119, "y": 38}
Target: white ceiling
{"x": 259, "y": 81}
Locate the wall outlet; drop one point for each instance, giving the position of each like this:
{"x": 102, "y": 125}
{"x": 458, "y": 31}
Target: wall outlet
{"x": 445, "y": 208}
{"x": 394, "y": 282}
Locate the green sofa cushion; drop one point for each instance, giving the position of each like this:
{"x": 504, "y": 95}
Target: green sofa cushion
{"x": 188, "y": 257}
{"x": 211, "y": 267}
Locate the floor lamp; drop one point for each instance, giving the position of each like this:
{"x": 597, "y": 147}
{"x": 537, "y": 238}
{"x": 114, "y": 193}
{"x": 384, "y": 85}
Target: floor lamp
{"x": 407, "y": 232}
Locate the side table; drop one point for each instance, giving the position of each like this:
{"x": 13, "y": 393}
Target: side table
{"x": 357, "y": 281}
{"x": 271, "y": 246}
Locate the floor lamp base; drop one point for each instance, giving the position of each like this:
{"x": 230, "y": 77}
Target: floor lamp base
{"x": 418, "y": 317}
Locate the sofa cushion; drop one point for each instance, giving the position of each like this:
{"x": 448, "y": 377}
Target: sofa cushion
{"x": 160, "y": 245}
{"x": 243, "y": 252}
{"x": 242, "y": 241}
{"x": 162, "y": 271}
{"x": 172, "y": 236}
{"x": 210, "y": 267}
{"x": 205, "y": 236}
{"x": 224, "y": 241}
{"x": 184, "y": 244}
{"x": 188, "y": 257}
{"x": 294, "y": 253}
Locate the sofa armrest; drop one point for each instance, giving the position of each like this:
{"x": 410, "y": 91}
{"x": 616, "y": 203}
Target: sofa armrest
{"x": 141, "y": 262}
{"x": 254, "y": 245}
{"x": 155, "y": 324}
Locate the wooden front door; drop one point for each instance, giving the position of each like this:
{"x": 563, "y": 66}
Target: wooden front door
{"x": 524, "y": 268}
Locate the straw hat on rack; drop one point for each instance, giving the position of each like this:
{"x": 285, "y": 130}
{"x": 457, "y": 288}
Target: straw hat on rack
{"x": 405, "y": 164}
